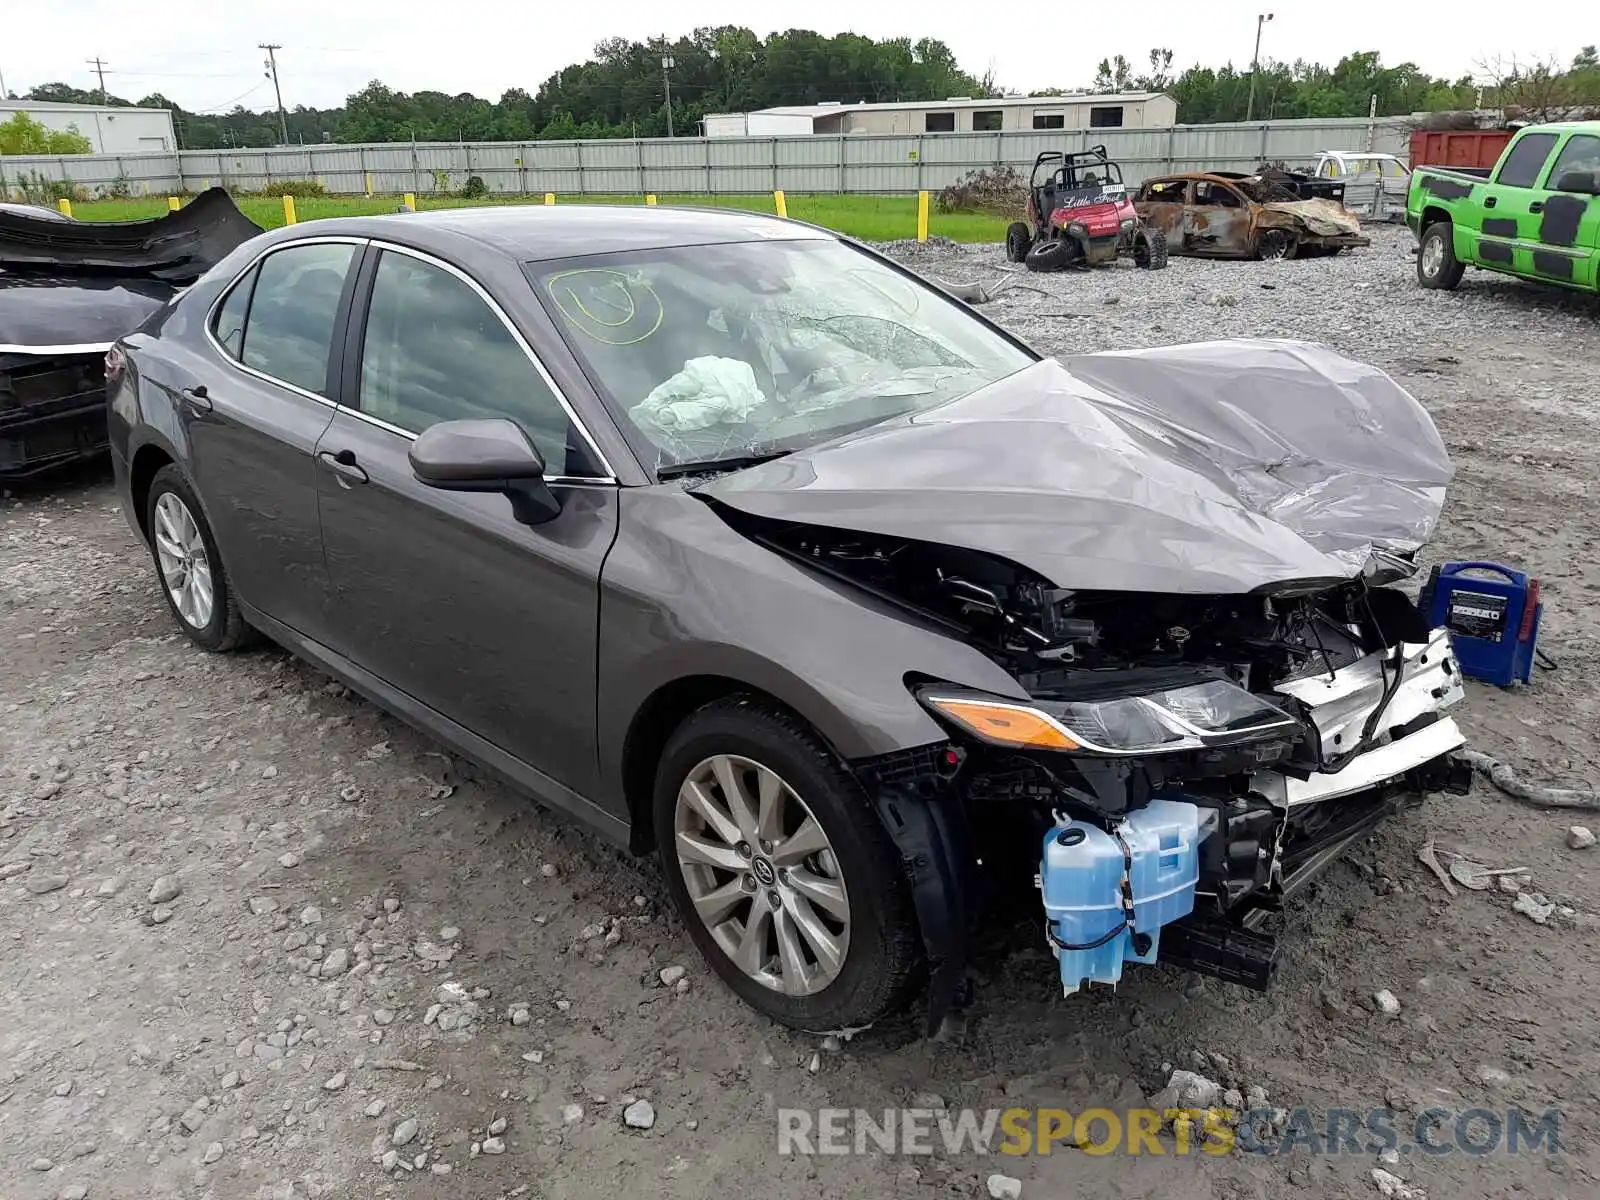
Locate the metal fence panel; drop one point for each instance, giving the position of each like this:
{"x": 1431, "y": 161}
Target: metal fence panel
{"x": 824, "y": 163}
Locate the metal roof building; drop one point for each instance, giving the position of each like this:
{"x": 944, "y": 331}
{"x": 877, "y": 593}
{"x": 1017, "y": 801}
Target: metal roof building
{"x": 110, "y": 129}
{"x": 1118, "y": 110}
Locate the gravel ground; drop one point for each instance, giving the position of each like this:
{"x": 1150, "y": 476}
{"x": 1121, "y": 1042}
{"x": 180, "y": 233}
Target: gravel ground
{"x": 259, "y": 939}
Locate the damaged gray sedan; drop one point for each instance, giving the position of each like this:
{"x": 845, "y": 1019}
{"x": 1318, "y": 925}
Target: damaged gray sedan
{"x": 744, "y": 545}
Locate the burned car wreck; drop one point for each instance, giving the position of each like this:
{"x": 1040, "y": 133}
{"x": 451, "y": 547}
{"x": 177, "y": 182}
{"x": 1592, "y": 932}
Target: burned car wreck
{"x": 68, "y": 290}
{"x": 1187, "y": 573}
{"x": 1228, "y": 215}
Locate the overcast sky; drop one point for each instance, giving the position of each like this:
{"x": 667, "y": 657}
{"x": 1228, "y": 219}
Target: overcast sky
{"x": 207, "y": 60}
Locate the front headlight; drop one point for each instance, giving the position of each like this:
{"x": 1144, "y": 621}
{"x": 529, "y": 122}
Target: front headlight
{"x": 1213, "y": 712}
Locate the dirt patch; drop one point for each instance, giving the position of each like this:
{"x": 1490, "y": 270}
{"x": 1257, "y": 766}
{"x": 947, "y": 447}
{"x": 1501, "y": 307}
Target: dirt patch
{"x": 273, "y": 1026}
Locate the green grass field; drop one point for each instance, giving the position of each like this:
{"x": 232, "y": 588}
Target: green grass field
{"x": 871, "y": 218}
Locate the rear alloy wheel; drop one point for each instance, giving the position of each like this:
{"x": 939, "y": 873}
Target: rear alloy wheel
{"x": 1275, "y": 244}
{"x": 1437, "y": 265}
{"x": 192, "y": 575}
{"x": 787, "y": 880}
{"x": 1018, "y": 239}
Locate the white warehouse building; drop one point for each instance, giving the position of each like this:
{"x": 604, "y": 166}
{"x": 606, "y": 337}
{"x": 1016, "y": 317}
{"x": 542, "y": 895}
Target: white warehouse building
{"x": 961, "y": 114}
{"x": 110, "y": 129}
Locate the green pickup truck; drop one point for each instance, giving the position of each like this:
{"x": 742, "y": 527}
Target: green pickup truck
{"x": 1535, "y": 213}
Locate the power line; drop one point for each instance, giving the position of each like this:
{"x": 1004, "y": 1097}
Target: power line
{"x": 272, "y": 49}
{"x": 99, "y": 66}
{"x": 228, "y": 104}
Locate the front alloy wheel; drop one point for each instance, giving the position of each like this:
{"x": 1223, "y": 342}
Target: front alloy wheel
{"x": 785, "y": 875}
{"x": 762, "y": 875}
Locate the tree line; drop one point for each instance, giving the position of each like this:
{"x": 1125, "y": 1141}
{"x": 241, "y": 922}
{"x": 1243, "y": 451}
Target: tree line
{"x": 622, "y": 90}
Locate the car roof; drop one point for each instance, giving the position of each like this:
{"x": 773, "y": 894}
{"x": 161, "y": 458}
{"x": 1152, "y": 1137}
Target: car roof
{"x": 533, "y": 232}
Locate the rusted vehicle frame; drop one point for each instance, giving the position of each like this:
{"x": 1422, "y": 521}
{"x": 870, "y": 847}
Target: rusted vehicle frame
{"x": 1251, "y": 229}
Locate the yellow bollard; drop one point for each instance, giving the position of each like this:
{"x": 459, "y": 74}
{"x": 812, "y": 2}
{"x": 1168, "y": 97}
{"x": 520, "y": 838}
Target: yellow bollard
{"x": 65, "y": 206}
{"x": 411, "y": 201}
{"x": 650, "y": 199}
{"x": 369, "y": 184}
{"x": 922, "y": 216}
{"x": 549, "y": 197}
{"x": 780, "y": 204}
{"x": 288, "y": 211}
{"x": 172, "y": 204}
{"x": 205, "y": 185}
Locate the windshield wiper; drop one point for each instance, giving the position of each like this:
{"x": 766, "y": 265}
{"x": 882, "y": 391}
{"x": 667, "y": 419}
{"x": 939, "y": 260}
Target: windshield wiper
{"x": 710, "y": 466}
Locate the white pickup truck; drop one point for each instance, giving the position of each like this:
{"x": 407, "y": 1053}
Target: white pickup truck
{"x": 1375, "y": 185}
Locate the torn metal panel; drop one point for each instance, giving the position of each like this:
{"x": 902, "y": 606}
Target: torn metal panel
{"x": 1123, "y": 472}
{"x": 1322, "y": 218}
{"x": 176, "y": 248}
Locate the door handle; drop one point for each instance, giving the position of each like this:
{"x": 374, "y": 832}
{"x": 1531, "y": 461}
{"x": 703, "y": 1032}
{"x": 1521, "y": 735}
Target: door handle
{"x": 1489, "y": 201}
{"x": 197, "y": 396}
{"x": 343, "y": 464}
{"x": 1536, "y": 206}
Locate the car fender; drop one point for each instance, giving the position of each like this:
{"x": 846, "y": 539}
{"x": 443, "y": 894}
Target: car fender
{"x": 685, "y": 596}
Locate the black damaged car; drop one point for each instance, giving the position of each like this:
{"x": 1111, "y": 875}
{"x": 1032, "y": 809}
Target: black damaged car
{"x": 68, "y": 290}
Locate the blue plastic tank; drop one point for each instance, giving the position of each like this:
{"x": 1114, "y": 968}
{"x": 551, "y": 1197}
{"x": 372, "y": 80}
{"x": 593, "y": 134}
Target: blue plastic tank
{"x": 1081, "y": 881}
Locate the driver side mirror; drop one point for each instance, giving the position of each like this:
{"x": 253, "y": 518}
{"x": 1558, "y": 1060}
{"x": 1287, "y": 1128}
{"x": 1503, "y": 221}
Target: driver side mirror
{"x": 1586, "y": 183}
{"x": 485, "y": 456}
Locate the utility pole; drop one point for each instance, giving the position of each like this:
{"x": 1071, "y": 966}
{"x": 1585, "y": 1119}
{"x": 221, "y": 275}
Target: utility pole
{"x": 1255, "y": 64}
{"x": 99, "y": 65}
{"x": 666, "y": 82}
{"x": 272, "y": 73}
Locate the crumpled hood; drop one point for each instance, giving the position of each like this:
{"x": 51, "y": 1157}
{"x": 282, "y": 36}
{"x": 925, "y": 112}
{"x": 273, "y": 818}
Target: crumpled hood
{"x": 1326, "y": 218}
{"x": 1210, "y": 468}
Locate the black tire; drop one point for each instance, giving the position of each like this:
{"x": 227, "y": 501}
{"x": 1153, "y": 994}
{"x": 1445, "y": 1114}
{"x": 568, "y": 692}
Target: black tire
{"x": 1439, "y": 270}
{"x": 1272, "y": 244}
{"x": 1018, "y": 240}
{"x": 1048, "y": 255}
{"x": 226, "y": 628}
{"x": 1150, "y": 249}
{"x": 883, "y": 956}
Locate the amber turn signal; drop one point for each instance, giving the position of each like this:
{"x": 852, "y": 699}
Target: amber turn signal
{"x": 1008, "y": 724}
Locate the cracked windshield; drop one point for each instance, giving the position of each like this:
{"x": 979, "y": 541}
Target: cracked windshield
{"x": 751, "y": 349}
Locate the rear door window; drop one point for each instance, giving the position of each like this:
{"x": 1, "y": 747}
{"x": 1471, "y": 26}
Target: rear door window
{"x": 1521, "y": 168}
{"x": 293, "y": 310}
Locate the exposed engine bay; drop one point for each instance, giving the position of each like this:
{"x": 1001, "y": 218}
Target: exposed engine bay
{"x": 1182, "y": 559}
{"x": 1186, "y": 758}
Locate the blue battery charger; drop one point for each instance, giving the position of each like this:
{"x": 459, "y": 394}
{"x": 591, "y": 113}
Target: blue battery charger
{"x": 1492, "y": 613}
